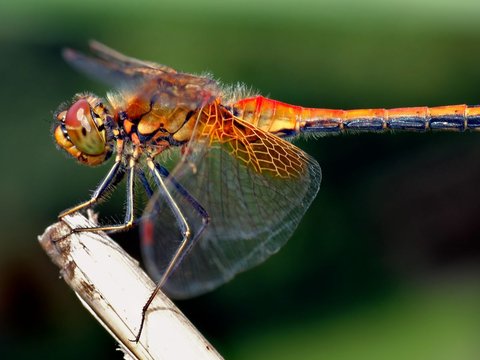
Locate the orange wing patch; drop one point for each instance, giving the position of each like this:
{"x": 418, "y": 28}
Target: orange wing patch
{"x": 264, "y": 152}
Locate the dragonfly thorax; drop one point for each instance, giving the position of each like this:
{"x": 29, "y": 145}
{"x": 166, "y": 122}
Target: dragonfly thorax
{"x": 81, "y": 130}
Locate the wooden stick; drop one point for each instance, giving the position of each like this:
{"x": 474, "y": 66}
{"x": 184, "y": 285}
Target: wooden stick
{"x": 111, "y": 285}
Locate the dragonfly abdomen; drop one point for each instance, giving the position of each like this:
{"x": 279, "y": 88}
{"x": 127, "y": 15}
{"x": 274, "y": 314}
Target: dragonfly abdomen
{"x": 448, "y": 118}
{"x": 283, "y": 119}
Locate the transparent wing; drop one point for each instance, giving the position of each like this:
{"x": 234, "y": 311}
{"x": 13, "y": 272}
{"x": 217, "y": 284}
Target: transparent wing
{"x": 114, "y": 57}
{"x": 255, "y": 188}
{"x": 146, "y": 81}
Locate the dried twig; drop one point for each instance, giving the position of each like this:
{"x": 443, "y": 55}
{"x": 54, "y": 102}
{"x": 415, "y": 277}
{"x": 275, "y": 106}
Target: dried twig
{"x": 113, "y": 288}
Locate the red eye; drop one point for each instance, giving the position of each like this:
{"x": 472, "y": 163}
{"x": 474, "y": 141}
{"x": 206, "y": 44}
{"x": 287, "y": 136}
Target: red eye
{"x": 78, "y": 115}
{"x": 83, "y": 130}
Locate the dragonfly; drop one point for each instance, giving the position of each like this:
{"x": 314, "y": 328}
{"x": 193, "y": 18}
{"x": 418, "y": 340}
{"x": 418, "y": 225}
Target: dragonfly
{"x": 236, "y": 187}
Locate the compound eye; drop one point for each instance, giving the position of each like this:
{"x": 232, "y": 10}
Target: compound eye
{"x": 83, "y": 130}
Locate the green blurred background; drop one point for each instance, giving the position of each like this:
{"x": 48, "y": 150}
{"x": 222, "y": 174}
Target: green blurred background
{"x": 385, "y": 265}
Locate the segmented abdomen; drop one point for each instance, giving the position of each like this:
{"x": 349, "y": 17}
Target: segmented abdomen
{"x": 284, "y": 119}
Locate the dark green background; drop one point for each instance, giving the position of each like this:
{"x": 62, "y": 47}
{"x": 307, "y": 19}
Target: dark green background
{"x": 385, "y": 263}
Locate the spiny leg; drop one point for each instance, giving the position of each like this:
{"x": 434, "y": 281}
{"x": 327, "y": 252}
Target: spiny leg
{"x": 187, "y": 241}
{"x": 146, "y": 185}
{"x": 115, "y": 175}
{"x": 184, "y": 192}
{"x": 129, "y": 212}
{"x": 147, "y": 245}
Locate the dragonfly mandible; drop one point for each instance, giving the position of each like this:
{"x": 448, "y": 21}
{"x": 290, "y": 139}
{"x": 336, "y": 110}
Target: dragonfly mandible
{"x": 239, "y": 187}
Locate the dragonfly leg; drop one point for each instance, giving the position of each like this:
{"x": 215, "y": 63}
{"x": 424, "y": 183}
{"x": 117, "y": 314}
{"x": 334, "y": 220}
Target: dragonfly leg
{"x": 115, "y": 174}
{"x": 129, "y": 212}
{"x": 187, "y": 240}
{"x": 195, "y": 204}
{"x": 146, "y": 185}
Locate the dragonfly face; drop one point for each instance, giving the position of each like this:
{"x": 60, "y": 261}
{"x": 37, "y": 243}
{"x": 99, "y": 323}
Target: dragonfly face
{"x": 82, "y": 130}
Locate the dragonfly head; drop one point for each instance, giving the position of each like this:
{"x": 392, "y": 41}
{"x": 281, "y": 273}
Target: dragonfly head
{"x": 81, "y": 130}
